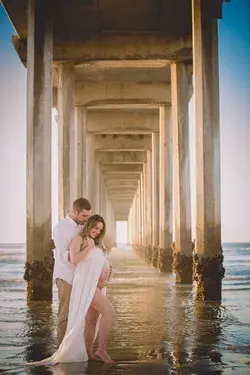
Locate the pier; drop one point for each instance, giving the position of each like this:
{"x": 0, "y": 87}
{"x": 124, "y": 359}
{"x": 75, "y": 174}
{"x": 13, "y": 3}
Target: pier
{"x": 120, "y": 75}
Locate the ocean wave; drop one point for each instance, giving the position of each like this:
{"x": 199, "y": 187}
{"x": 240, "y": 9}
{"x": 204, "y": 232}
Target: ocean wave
{"x": 11, "y": 280}
{"x": 12, "y": 255}
{"x": 234, "y": 278}
{"x": 237, "y": 289}
{"x": 236, "y": 250}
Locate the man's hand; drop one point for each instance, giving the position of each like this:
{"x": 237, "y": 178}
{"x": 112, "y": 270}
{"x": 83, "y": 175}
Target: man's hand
{"x": 111, "y": 271}
{"x": 102, "y": 284}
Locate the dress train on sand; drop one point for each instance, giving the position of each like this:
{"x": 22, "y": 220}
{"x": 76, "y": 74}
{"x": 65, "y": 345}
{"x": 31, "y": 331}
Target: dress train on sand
{"x": 73, "y": 348}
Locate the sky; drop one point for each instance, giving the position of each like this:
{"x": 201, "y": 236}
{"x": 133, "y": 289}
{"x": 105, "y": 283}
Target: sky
{"x": 234, "y": 57}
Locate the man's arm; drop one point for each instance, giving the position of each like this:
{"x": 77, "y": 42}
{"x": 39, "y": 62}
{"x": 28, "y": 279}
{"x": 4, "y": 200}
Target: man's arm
{"x": 61, "y": 243}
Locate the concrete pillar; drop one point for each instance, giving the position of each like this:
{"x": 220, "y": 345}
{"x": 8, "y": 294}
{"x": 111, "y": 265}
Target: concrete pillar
{"x": 135, "y": 233}
{"x": 107, "y": 216}
{"x": 129, "y": 227}
{"x": 96, "y": 190}
{"x": 102, "y": 197}
{"x": 142, "y": 211}
{"x": 183, "y": 247}
{"x": 148, "y": 203}
{"x": 135, "y": 228}
{"x": 91, "y": 176}
{"x": 114, "y": 225}
{"x": 133, "y": 223}
{"x": 165, "y": 191}
{"x": 208, "y": 257}
{"x": 155, "y": 198}
{"x": 111, "y": 229}
{"x": 80, "y": 153}
{"x": 39, "y": 260}
{"x": 139, "y": 216}
{"x": 130, "y": 224}
{"x": 139, "y": 226}
{"x": 66, "y": 108}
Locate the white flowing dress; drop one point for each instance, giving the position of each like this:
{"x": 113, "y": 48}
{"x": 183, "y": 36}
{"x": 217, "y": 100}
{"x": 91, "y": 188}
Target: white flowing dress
{"x": 72, "y": 347}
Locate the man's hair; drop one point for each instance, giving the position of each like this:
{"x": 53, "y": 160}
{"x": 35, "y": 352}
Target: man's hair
{"x": 81, "y": 204}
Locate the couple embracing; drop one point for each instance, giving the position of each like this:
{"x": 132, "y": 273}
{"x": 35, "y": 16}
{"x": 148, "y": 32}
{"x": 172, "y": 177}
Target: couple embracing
{"x": 81, "y": 272}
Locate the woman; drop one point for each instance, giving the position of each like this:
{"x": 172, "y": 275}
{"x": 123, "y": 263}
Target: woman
{"x": 93, "y": 233}
{"x": 88, "y": 299}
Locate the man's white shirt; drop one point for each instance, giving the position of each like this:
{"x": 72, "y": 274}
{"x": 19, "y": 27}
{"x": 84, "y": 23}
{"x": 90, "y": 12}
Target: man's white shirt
{"x": 63, "y": 234}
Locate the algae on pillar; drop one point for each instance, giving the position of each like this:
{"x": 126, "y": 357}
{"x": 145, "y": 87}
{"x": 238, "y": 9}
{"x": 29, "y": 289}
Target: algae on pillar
{"x": 183, "y": 247}
{"x": 39, "y": 260}
{"x": 165, "y": 189}
{"x": 208, "y": 259}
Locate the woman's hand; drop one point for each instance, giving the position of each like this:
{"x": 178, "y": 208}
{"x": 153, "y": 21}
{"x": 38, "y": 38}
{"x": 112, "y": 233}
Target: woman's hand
{"x": 90, "y": 242}
{"x": 77, "y": 250}
{"x": 84, "y": 245}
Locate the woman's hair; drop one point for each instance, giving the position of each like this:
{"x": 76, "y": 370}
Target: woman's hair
{"x": 90, "y": 223}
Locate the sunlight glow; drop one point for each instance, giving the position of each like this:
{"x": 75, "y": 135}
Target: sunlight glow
{"x": 121, "y": 233}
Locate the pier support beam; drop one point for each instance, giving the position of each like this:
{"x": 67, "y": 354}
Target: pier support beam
{"x": 148, "y": 203}
{"x": 165, "y": 189}
{"x": 142, "y": 209}
{"x": 139, "y": 215}
{"x": 80, "y": 153}
{"x": 39, "y": 261}
{"x": 183, "y": 258}
{"x": 155, "y": 198}
{"x": 66, "y": 115}
{"x": 208, "y": 259}
{"x": 91, "y": 178}
{"x": 96, "y": 189}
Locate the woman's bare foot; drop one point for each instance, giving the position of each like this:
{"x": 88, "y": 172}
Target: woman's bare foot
{"x": 105, "y": 357}
{"x": 93, "y": 358}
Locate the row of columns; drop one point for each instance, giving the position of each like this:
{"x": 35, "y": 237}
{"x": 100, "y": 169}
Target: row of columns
{"x": 155, "y": 231}
{"x": 76, "y": 159}
{"x": 165, "y": 251}
{"x": 79, "y": 170}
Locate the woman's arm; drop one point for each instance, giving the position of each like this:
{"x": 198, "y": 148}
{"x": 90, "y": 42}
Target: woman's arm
{"x": 76, "y": 255}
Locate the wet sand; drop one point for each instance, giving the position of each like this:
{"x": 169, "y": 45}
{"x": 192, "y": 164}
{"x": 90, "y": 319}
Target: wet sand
{"x": 159, "y": 328}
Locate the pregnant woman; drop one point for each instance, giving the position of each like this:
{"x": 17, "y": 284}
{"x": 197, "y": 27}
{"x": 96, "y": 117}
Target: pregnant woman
{"x": 89, "y": 308}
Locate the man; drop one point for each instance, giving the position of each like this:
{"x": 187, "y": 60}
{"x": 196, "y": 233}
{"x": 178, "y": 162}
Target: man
{"x": 63, "y": 274}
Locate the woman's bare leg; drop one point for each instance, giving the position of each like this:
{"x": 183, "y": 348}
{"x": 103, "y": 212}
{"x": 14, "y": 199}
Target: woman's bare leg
{"x": 91, "y": 320}
{"x": 101, "y": 304}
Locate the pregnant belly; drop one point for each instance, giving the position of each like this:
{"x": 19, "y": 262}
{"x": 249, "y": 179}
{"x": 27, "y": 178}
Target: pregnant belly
{"x": 104, "y": 272}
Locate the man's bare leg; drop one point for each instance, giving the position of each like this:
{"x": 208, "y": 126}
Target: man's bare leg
{"x": 101, "y": 304}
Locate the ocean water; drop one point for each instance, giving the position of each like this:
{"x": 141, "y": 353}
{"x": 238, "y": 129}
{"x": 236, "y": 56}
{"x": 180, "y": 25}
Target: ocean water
{"x": 159, "y": 327}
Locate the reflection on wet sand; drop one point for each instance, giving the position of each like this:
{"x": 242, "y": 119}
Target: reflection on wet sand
{"x": 38, "y": 331}
{"x": 159, "y": 328}
{"x": 181, "y": 330}
{"x": 129, "y": 368}
{"x": 205, "y": 357}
